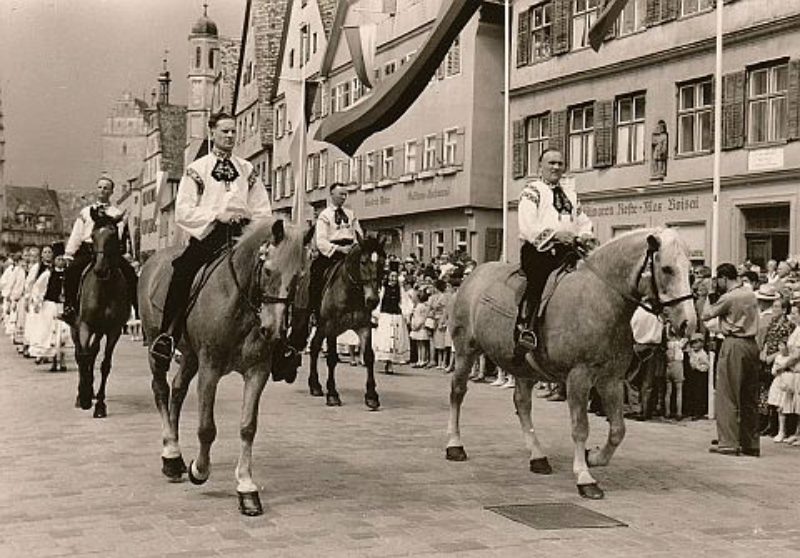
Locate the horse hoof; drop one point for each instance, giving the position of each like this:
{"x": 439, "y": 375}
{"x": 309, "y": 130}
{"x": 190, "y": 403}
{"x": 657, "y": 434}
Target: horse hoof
{"x": 193, "y": 479}
{"x": 250, "y": 504}
{"x": 173, "y": 467}
{"x": 316, "y": 391}
{"x": 541, "y": 466}
{"x": 456, "y": 453}
{"x": 84, "y": 402}
{"x": 332, "y": 400}
{"x": 100, "y": 410}
{"x": 590, "y": 491}
{"x": 372, "y": 402}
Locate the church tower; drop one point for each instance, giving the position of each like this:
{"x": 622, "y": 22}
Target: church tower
{"x": 204, "y": 65}
{"x": 2, "y": 144}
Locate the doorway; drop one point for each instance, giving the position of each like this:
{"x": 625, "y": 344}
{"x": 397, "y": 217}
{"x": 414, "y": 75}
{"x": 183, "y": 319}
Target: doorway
{"x": 766, "y": 233}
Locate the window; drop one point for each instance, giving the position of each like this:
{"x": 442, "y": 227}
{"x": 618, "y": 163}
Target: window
{"x": 280, "y": 120}
{"x": 198, "y": 56}
{"x": 314, "y": 43}
{"x": 632, "y": 17}
{"x": 305, "y": 45}
{"x": 356, "y": 88}
{"x": 389, "y": 68}
{"x": 541, "y": 26}
{"x": 211, "y": 58}
{"x": 437, "y": 243}
{"x": 630, "y": 129}
{"x": 355, "y": 169}
{"x": 418, "y": 241}
{"x": 429, "y": 160}
{"x": 278, "y": 183}
{"x": 410, "y": 165}
{"x": 767, "y": 107}
{"x": 388, "y": 162}
{"x": 341, "y": 97}
{"x": 312, "y": 171}
{"x": 124, "y": 148}
{"x": 695, "y": 104}
{"x": 584, "y": 13}
{"x": 291, "y": 58}
{"x": 450, "y": 146}
{"x": 369, "y": 175}
{"x": 338, "y": 171}
{"x": 453, "y": 59}
{"x": 537, "y": 136}
{"x": 581, "y": 137}
{"x": 460, "y": 241}
{"x": 322, "y": 174}
{"x": 694, "y": 6}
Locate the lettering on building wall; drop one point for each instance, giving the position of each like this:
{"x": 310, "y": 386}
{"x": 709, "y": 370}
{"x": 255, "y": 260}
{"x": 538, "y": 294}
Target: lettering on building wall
{"x": 376, "y": 200}
{"x": 668, "y": 205}
{"x": 429, "y": 194}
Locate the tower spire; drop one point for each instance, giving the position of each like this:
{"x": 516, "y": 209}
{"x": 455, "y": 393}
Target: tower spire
{"x": 205, "y": 8}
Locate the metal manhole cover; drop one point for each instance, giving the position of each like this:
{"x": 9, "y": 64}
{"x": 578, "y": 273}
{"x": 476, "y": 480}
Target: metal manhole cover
{"x": 556, "y": 516}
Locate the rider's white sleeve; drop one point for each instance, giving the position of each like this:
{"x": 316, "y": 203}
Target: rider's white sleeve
{"x": 322, "y": 236}
{"x": 195, "y": 214}
{"x": 258, "y": 201}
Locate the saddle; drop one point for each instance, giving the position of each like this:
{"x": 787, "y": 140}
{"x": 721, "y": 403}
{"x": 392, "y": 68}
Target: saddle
{"x": 158, "y": 291}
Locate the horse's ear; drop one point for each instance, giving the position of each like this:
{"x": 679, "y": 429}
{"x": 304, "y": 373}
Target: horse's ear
{"x": 309, "y": 234}
{"x": 278, "y": 232}
{"x": 653, "y": 243}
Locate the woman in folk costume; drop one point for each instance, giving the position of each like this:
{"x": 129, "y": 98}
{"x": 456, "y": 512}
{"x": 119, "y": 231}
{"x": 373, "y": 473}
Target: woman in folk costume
{"x": 35, "y": 323}
{"x": 6, "y": 285}
{"x": 16, "y": 291}
{"x": 390, "y": 341}
{"x": 48, "y": 291}
{"x": 22, "y": 306}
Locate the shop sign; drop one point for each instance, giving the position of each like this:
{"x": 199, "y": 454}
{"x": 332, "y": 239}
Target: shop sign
{"x": 672, "y": 204}
{"x": 765, "y": 159}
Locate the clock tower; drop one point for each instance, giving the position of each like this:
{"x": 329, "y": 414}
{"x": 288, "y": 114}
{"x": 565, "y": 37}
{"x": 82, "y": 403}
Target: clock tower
{"x": 204, "y": 67}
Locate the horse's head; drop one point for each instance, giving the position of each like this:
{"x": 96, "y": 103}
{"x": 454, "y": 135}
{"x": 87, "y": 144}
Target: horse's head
{"x": 664, "y": 279}
{"x": 282, "y": 259}
{"x": 365, "y": 265}
{"x": 106, "y": 242}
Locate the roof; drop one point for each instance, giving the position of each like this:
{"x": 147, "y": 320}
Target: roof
{"x": 204, "y": 26}
{"x": 32, "y": 200}
{"x": 172, "y": 136}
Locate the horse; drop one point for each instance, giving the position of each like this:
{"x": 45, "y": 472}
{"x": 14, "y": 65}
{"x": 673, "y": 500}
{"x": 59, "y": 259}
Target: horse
{"x": 352, "y": 292}
{"x": 585, "y": 336}
{"x": 102, "y": 312}
{"x": 237, "y": 321}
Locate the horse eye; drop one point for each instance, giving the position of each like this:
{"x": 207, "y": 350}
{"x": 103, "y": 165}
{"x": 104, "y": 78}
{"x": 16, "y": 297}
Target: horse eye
{"x": 667, "y": 269}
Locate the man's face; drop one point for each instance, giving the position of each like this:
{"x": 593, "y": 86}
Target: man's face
{"x": 104, "y": 190}
{"x": 338, "y": 196}
{"x": 552, "y": 167}
{"x": 225, "y": 135}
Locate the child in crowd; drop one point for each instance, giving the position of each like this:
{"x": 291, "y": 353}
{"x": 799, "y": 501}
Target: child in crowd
{"x": 420, "y": 335}
{"x": 696, "y": 383}
{"x": 438, "y": 303}
{"x": 782, "y": 391}
{"x": 675, "y": 346}
{"x": 390, "y": 341}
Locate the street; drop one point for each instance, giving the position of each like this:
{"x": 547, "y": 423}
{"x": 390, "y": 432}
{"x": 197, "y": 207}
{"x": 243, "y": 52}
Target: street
{"x": 349, "y": 482}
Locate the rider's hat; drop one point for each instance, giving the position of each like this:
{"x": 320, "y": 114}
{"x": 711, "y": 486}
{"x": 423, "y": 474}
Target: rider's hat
{"x": 58, "y": 249}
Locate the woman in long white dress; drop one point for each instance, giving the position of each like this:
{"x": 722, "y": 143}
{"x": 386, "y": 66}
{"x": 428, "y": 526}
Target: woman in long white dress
{"x": 50, "y": 341}
{"x": 390, "y": 340}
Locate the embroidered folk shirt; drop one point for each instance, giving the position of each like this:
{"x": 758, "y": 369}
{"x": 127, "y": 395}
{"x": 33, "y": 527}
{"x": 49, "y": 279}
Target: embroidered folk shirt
{"x": 84, "y": 225}
{"x": 202, "y": 199}
{"x": 539, "y": 218}
{"x": 331, "y": 228}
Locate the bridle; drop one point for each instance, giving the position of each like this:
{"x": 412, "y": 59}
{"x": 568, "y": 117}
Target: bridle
{"x": 356, "y": 282}
{"x": 657, "y": 306}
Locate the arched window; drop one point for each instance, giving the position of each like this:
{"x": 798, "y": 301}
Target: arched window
{"x": 198, "y": 53}
{"x": 211, "y": 58}
{"x": 124, "y": 148}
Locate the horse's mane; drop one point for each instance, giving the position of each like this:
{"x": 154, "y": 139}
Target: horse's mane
{"x": 371, "y": 244}
{"x": 671, "y": 242}
{"x": 258, "y": 232}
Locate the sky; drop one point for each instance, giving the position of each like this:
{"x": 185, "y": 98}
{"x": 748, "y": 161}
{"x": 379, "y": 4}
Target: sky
{"x": 64, "y": 62}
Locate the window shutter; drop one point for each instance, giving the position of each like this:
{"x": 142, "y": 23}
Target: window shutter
{"x": 324, "y": 100}
{"x": 440, "y": 70}
{"x": 733, "y": 110}
{"x": 670, "y": 10}
{"x": 562, "y": 11}
{"x": 460, "y": 146}
{"x": 653, "y": 16}
{"x": 558, "y": 130}
{"x": 524, "y": 38}
{"x": 327, "y": 167}
{"x": 399, "y": 160}
{"x": 378, "y": 166}
{"x": 345, "y": 171}
{"x": 316, "y": 110}
{"x": 360, "y": 170}
{"x": 603, "y": 134}
{"x": 439, "y": 150}
{"x": 793, "y": 98}
{"x": 518, "y": 149}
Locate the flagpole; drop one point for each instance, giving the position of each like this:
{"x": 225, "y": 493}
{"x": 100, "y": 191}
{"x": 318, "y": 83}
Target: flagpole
{"x": 300, "y": 194}
{"x": 506, "y": 123}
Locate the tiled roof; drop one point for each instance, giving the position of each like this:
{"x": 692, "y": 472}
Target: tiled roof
{"x": 229, "y": 61}
{"x": 37, "y": 201}
{"x": 327, "y": 9}
{"x": 172, "y": 131}
{"x": 268, "y": 25}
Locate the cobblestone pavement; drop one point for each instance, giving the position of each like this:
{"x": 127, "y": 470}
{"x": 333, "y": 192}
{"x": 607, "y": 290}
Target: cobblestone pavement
{"x": 348, "y": 482}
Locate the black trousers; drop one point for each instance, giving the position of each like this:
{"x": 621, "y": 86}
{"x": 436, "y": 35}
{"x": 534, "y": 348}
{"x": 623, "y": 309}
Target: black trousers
{"x": 83, "y": 257}
{"x": 316, "y": 283}
{"x": 652, "y": 368}
{"x": 537, "y": 267}
{"x": 185, "y": 267}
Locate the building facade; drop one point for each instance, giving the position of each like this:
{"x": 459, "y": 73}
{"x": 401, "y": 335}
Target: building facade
{"x": 2, "y": 143}
{"x": 28, "y": 217}
{"x": 635, "y": 121}
{"x": 124, "y": 138}
{"x": 432, "y": 182}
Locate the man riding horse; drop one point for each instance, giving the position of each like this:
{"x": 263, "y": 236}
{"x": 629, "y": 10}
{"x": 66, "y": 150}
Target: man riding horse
{"x": 79, "y": 251}
{"x": 218, "y": 195}
{"x": 550, "y": 224}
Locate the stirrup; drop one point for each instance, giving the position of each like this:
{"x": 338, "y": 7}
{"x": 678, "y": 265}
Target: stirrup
{"x": 528, "y": 340}
{"x": 162, "y": 350}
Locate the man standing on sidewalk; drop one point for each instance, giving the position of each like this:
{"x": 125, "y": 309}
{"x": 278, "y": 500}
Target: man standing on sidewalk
{"x": 736, "y": 398}
{"x": 648, "y": 338}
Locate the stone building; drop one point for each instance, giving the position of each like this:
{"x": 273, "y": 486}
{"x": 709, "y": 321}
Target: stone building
{"x": 28, "y": 217}
{"x": 636, "y": 120}
{"x": 124, "y": 138}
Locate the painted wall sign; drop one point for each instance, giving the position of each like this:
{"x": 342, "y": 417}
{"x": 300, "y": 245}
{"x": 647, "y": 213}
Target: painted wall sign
{"x": 765, "y": 159}
{"x": 671, "y": 204}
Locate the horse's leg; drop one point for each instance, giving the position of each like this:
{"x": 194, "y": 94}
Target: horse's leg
{"x": 100, "y": 410}
{"x": 200, "y": 469}
{"x": 523, "y": 397}
{"x": 172, "y": 462}
{"x": 249, "y": 501}
{"x": 611, "y": 392}
{"x": 371, "y": 395}
{"x": 578, "y": 386}
{"x": 86, "y": 347}
{"x": 332, "y": 358}
{"x": 458, "y": 390}
{"x": 314, "y": 387}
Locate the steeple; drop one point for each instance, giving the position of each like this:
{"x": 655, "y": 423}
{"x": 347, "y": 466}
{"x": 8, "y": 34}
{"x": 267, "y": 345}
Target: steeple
{"x": 204, "y": 66}
{"x": 163, "y": 83}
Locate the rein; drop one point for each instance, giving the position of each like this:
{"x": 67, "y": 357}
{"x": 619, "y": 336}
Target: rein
{"x": 658, "y": 305}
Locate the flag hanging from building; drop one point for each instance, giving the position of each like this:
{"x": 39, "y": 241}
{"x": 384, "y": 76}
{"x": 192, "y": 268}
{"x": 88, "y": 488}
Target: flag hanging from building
{"x": 297, "y": 149}
{"x": 361, "y": 40}
{"x": 605, "y": 21}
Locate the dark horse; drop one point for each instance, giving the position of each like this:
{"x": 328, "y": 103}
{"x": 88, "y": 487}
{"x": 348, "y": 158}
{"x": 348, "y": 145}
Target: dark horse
{"x": 585, "y": 333}
{"x": 236, "y": 322}
{"x": 351, "y": 294}
{"x": 104, "y": 308}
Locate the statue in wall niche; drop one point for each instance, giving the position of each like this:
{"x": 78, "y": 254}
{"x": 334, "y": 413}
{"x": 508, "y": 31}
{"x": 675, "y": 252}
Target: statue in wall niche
{"x": 660, "y": 150}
